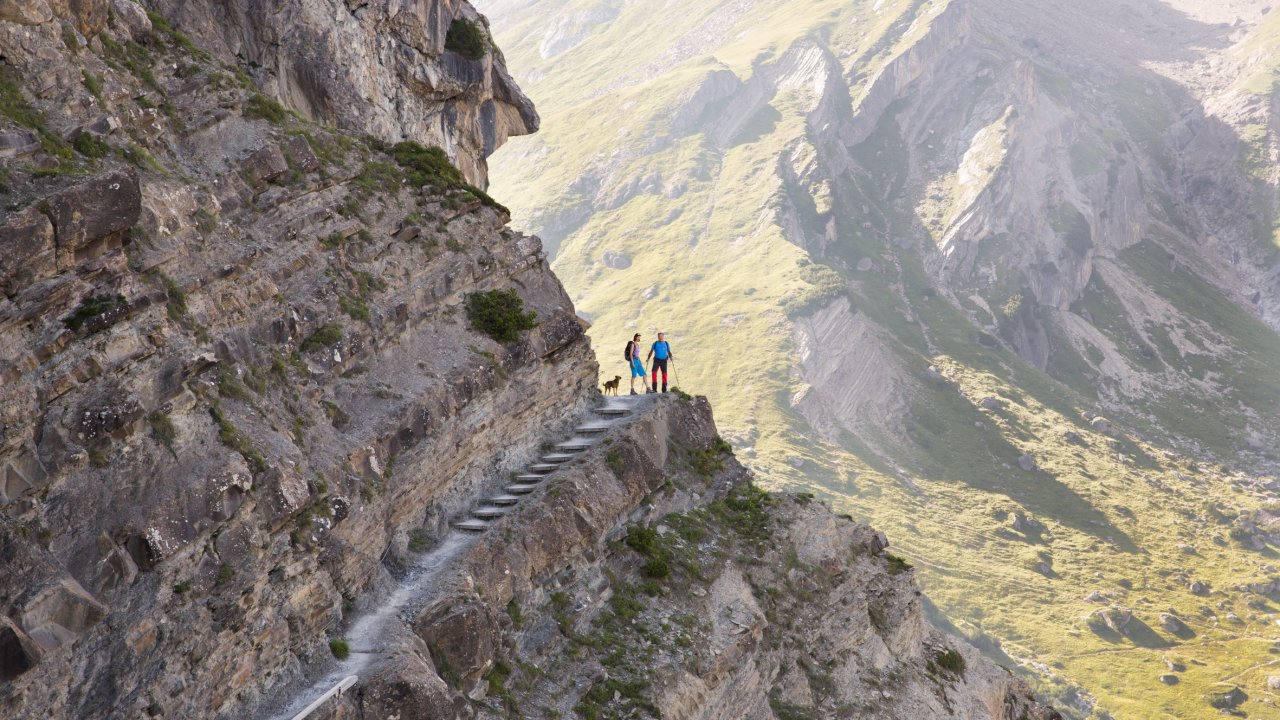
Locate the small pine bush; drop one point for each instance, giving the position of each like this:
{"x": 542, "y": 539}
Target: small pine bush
{"x": 500, "y": 314}
{"x": 467, "y": 39}
{"x": 340, "y": 648}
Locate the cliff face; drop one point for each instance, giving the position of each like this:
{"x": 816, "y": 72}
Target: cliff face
{"x": 237, "y": 372}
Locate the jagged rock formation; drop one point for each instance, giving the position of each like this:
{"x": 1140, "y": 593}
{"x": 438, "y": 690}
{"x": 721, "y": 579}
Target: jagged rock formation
{"x": 387, "y": 70}
{"x": 214, "y": 359}
{"x": 648, "y": 576}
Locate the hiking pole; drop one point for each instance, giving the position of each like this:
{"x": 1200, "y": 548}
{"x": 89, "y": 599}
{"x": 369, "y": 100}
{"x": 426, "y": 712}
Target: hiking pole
{"x": 675, "y": 371}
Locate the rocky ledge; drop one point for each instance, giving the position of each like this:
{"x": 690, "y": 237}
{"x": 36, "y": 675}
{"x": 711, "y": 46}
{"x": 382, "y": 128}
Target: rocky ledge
{"x": 650, "y": 578}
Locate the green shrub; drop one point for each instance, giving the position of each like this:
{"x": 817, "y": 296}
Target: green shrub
{"x": 500, "y": 314}
{"x": 162, "y": 428}
{"x": 225, "y": 573}
{"x": 340, "y": 648}
{"x": 897, "y": 565}
{"x": 355, "y": 307}
{"x": 950, "y": 661}
{"x": 99, "y": 456}
{"x": 656, "y": 569}
{"x": 230, "y": 436}
{"x": 430, "y": 166}
{"x": 615, "y": 461}
{"x": 261, "y": 107}
{"x": 178, "y": 38}
{"x": 337, "y": 416}
{"x": 91, "y": 307}
{"x": 324, "y": 336}
{"x": 92, "y": 84}
{"x": 466, "y": 38}
{"x": 643, "y": 540}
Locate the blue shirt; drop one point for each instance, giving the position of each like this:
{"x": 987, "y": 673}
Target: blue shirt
{"x": 660, "y": 350}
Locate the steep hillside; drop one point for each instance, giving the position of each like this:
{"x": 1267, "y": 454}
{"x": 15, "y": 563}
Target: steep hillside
{"x": 1000, "y": 279}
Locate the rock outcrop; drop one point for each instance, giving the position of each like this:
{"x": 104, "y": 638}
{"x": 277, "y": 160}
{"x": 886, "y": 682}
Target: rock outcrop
{"x": 650, "y": 577}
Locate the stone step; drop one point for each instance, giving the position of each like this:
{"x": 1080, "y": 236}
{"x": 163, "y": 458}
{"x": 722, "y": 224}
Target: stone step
{"x": 526, "y": 479}
{"x": 591, "y": 428}
{"x": 575, "y": 446}
{"x": 503, "y": 500}
{"x": 520, "y": 489}
{"x": 556, "y": 458}
{"x": 472, "y": 525}
{"x": 542, "y": 468}
{"x": 612, "y": 411}
{"x": 489, "y": 513}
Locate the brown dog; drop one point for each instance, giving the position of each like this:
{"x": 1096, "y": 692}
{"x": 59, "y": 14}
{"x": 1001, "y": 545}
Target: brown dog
{"x": 612, "y": 385}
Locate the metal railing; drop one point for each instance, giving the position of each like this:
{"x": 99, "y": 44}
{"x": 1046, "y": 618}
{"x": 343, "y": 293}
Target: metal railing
{"x": 333, "y": 692}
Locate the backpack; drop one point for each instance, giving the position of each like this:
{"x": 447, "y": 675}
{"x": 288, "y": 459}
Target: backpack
{"x": 626, "y": 354}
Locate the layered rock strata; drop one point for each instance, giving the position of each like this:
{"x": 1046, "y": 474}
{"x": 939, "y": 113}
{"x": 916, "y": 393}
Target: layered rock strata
{"x": 649, "y": 578}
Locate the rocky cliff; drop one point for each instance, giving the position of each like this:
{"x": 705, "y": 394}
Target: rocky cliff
{"x": 650, "y": 578}
{"x": 260, "y": 351}
{"x": 237, "y": 371}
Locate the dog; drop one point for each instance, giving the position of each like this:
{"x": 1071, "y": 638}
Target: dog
{"x": 612, "y": 385}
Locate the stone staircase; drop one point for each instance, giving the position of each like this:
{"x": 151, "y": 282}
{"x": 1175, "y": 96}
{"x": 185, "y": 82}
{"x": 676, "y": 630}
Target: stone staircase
{"x": 585, "y": 436}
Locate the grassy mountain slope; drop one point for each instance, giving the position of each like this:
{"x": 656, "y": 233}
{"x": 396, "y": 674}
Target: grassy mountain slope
{"x": 904, "y": 246}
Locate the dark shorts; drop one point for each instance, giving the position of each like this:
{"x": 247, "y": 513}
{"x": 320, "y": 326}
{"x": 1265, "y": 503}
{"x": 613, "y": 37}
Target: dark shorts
{"x": 659, "y": 365}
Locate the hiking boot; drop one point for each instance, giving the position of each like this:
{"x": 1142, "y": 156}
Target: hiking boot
{"x": 650, "y": 391}
{"x": 633, "y": 391}
{"x": 664, "y": 388}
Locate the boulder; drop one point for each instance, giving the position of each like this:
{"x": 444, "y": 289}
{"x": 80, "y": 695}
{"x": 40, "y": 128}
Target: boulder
{"x": 865, "y": 265}
{"x": 131, "y": 18}
{"x": 25, "y": 12}
{"x": 18, "y": 143}
{"x": 91, "y": 211}
{"x": 461, "y": 635}
{"x": 1027, "y": 463}
{"x": 1169, "y": 679}
{"x": 616, "y": 260}
{"x": 18, "y": 652}
{"x": 1073, "y": 437}
{"x": 264, "y": 165}
{"x": 1273, "y": 682}
{"x": 300, "y": 155}
{"x": 1197, "y": 587}
{"x": 992, "y": 403}
{"x": 58, "y": 613}
{"x": 26, "y": 250}
{"x": 1172, "y": 624}
{"x": 1104, "y": 426}
{"x": 407, "y": 687}
{"x": 87, "y": 16}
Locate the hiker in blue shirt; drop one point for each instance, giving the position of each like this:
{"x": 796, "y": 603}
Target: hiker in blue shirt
{"x": 637, "y": 367}
{"x": 660, "y": 351}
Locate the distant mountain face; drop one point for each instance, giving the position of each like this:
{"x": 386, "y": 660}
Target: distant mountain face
{"x": 1001, "y": 277}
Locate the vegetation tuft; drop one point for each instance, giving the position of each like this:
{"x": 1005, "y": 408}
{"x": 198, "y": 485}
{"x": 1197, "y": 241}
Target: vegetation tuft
{"x": 92, "y": 307}
{"x": 466, "y": 38}
{"x": 340, "y": 648}
{"x": 500, "y": 314}
{"x": 325, "y": 336}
